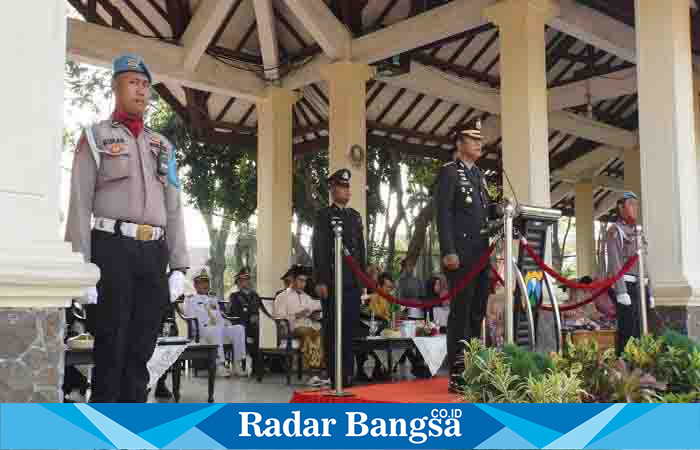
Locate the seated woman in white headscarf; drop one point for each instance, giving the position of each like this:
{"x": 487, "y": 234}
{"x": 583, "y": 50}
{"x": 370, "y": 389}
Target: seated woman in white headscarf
{"x": 213, "y": 328}
{"x": 303, "y": 314}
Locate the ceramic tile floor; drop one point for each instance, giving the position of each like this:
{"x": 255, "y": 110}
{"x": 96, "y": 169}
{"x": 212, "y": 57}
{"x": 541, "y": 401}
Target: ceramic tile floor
{"x": 273, "y": 389}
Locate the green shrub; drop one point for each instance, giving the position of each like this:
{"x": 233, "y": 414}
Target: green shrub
{"x": 673, "y": 358}
{"x": 676, "y": 339}
{"x": 489, "y": 377}
{"x": 632, "y": 385}
{"x": 525, "y": 363}
{"x": 555, "y": 387}
{"x": 591, "y": 364}
{"x": 651, "y": 369}
{"x": 642, "y": 353}
{"x": 689, "y": 397}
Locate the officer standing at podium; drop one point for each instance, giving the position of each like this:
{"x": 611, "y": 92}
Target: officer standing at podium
{"x": 124, "y": 180}
{"x": 324, "y": 270}
{"x": 461, "y": 201}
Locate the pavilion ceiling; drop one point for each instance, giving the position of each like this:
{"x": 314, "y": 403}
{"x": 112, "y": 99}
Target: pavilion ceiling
{"x": 414, "y": 123}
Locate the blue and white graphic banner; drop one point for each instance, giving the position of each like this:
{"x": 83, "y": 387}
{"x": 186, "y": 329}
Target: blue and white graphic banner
{"x": 349, "y": 425}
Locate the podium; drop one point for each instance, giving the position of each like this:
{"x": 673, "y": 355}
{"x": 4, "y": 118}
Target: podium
{"x": 522, "y": 272}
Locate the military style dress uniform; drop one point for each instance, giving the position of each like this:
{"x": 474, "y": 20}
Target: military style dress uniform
{"x": 621, "y": 245}
{"x": 324, "y": 273}
{"x": 462, "y": 202}
{"x": 213, "y": 327}
{"x": 128, "y": 184}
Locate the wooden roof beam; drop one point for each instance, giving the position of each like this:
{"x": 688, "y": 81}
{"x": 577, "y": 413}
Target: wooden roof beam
{"x": 465, "y": 92}
{"x": 584, "y": 23}
{"x": 421, "y": 30}
{"x": 616, "y": 84}
{"x": 378, "y": 126}
{"x": 605, "y": 205}
{"x": 202, "y": 28}
{"x": 325, "y": 28}
{"x": 265, "y": 17}
{"x": 99, "y": 45}
{"x": 596, "y": 28}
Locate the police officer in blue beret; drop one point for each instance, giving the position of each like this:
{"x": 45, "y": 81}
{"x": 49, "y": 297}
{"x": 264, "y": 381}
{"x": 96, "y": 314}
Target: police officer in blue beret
{"x": 125, "y": 216}
{"x": 324, "y": 270}
{"x": 621, "y": 245}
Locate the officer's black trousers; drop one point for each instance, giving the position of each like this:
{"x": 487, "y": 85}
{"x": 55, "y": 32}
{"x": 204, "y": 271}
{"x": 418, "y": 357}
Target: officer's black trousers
{"x": 467, "y": 310}
{"x": 133, "y": 290}
{"x": 351, "y": 317}
{"x": 629, "y": 318}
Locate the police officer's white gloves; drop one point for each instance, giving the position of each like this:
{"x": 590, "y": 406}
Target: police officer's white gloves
{"x": 176, "y": 282}
{"x": 624, "y": 299}
{"x": 652, "y": 304}
{"x": 91, "y": 295}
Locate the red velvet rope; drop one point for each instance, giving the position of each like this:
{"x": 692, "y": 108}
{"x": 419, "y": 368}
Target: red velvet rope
{"x": 578, "y": 304}
{"x": 416, "y": 303}
{"x": 600, "y": 284}
{"x": 607, "y": 284}
{"x": 496, "y": 278}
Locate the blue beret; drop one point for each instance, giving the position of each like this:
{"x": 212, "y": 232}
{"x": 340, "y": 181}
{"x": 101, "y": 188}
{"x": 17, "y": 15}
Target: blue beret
{"x": 628, "y": 195}
{"x": 130, "y": 63}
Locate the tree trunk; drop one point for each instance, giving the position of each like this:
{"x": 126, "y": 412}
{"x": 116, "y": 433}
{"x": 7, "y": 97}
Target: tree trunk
{"x": 420, "y": 227}
{"x": 370, "y": 236}
{"x": 217, "y": 251}
{"x": 301, "y": 256}
{"x": 557, "y": 251}
{"x": 400, "y": 211}
{"x": 386, "y": 218}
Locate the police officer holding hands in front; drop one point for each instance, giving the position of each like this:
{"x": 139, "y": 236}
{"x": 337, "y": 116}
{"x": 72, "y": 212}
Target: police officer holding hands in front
{"x": 125, "y": 216}
{"x": 324, "y": 270}
{"x": 461, "y": 201}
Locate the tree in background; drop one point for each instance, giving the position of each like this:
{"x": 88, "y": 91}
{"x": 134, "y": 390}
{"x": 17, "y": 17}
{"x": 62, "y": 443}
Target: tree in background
{"x": 310, "y": 194}
{"x": 220, "y": 181}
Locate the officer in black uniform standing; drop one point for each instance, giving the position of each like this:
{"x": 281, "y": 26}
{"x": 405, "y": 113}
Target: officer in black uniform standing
{"x": 462, "y": 205}
{"x": 324, "y": 270}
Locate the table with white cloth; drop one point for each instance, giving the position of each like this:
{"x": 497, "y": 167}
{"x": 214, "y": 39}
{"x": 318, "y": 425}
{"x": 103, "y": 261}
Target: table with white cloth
{"x": 170, "y": 352}
{"x": 433, "y": 349}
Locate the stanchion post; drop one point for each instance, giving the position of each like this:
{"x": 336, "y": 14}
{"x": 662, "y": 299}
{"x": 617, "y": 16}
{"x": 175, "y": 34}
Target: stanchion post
{"x": 508, "y": 251}
{"x": 642, "y": 282}
{"x": 337, "y": 225}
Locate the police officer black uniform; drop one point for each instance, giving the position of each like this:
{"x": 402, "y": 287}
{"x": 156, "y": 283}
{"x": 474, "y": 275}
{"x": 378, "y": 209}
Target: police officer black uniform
{"x": 245, "y": 304}
{"x": 462, "y": 208}
{"x": 324, "y": 270}
{"x": 125, "y": 216}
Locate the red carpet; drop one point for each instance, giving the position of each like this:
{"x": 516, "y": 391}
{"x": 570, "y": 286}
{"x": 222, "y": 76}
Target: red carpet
{"x": 421, "y": 391}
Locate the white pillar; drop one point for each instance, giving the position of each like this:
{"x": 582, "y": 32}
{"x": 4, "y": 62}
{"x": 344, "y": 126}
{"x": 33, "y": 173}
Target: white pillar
{"x": 524, "y": 96}
{"x": 668, "y": 154}
{"x": 347, "y": 127}
{"x": 633, "y": 171}
{"x": 633, "y": 176}
{"x": 585, "y": 240}
{"x": 274, "y": 232}
{"x": 37, "y": 268}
